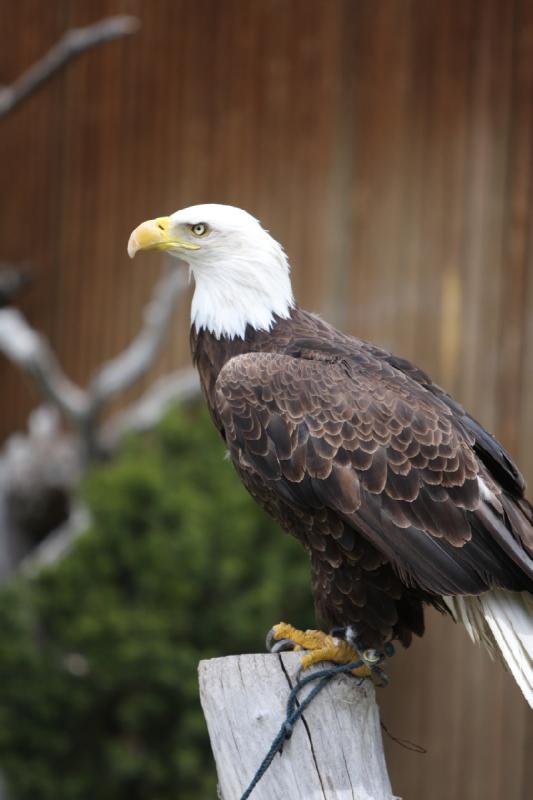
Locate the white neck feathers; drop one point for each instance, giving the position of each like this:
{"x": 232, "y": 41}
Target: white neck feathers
{"x": 247, "y": 286}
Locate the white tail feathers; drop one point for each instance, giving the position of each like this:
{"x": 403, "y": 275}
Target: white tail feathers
{"x": 503, "y": 622}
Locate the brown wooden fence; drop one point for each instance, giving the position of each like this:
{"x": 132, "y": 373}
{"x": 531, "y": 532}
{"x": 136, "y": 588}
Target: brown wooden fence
{"x": 389, "y": 145}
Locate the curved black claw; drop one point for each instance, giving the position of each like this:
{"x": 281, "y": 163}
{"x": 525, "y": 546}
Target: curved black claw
{"x": 274, "y": 645}
{"x": 381, "y": 678}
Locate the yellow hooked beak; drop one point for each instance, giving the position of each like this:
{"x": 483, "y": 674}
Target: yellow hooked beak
{"x": 154, "y": 234}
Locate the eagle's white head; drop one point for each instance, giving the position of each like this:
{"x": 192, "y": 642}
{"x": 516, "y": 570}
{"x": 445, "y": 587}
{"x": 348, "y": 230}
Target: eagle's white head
{"x": 241, "y": 273}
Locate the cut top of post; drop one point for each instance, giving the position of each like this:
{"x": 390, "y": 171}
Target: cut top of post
{"x": 334, "y": 753}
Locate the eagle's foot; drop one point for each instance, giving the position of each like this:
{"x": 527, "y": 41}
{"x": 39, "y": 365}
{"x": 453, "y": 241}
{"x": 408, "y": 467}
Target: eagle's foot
{"x": 322, "y": 646}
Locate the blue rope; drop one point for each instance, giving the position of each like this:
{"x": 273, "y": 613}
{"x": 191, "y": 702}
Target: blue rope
{"x": 295, "y": 711}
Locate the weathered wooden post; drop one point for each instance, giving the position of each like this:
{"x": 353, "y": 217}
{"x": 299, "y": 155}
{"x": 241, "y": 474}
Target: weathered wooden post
{"x": 335, "y": 752}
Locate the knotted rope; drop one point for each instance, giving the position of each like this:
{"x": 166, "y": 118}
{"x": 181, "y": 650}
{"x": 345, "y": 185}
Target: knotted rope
{"x": 295, "y": 711}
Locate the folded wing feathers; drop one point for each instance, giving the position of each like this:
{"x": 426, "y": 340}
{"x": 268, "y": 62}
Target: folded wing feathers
{"x": 433, "y": 493}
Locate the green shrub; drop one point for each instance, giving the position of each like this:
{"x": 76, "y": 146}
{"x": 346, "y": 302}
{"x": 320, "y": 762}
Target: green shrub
{"x": 98, "y": 656}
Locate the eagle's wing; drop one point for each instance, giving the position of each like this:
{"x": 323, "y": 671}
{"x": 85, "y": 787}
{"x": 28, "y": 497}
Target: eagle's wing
{"x": 490, "y": 451}
{"x": 365, "y": 439}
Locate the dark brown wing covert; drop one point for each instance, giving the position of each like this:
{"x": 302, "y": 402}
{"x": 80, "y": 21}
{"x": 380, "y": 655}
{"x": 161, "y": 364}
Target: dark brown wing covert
{"x": 362, "y": 439}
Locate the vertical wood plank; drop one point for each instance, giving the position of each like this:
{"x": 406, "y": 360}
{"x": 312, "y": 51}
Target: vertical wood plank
{"x": 29, "y": 166}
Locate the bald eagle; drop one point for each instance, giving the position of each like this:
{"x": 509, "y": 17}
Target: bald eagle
{"x": 400, "y": 498}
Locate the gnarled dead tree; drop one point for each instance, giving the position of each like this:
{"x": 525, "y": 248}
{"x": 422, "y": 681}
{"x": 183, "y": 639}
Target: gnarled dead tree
{"x": 39, "y": 470}
{"x": 72, "y": 44}
{"x": 41, "y": 467}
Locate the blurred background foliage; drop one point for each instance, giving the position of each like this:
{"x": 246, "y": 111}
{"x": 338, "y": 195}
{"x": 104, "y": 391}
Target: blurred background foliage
{"x": 100, "y": 653}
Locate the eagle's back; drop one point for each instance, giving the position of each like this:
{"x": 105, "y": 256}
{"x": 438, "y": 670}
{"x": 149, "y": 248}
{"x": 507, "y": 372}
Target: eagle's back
{"x": 397, "y": 494}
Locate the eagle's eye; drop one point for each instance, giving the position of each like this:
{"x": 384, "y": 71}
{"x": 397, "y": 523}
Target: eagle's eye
{"x": 200, "y": 229}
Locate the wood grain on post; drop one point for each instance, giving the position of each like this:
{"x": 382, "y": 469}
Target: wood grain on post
{"x": 335, "y": 752}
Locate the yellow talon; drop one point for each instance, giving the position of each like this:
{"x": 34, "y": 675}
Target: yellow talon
{"x": 321, "y": 646}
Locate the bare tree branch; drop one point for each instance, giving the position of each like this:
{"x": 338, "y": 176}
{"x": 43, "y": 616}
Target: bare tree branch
{"x": 121, "y": 372}
{"x": 30, "y": 351}
{"x": 57, "y": 544}
{"x": 70, "y": 45}
{"x": 179, "y": 386}
{"x": 27, "y": 348}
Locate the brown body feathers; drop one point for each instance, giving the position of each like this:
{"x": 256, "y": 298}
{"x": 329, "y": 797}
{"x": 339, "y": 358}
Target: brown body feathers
{"x": 398, "y": 496}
